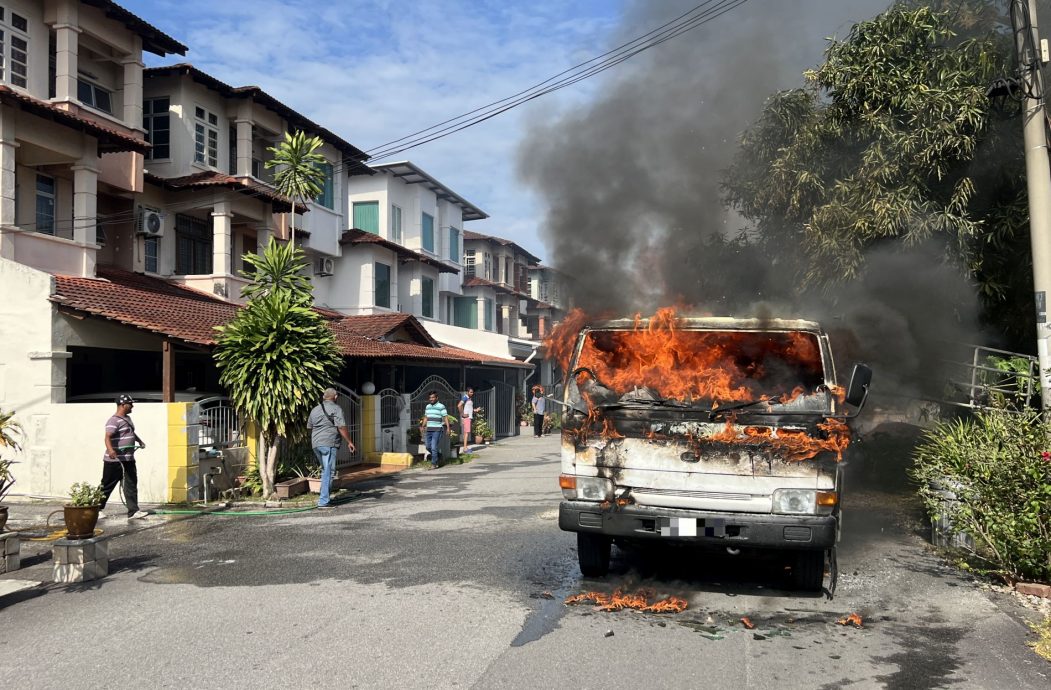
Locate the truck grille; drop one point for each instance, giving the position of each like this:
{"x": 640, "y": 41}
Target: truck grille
{"x": 696, "y": 494}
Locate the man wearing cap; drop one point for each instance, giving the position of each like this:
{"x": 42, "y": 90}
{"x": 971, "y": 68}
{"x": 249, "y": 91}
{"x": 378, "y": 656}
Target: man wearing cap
{"x": 327, "y": 424}
{"x": 118, "y": 465}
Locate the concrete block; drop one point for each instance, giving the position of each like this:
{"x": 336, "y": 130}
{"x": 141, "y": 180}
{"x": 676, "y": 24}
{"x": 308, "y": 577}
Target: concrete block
{"x": 102, "y": 550}
{"x": 102, "y": 566}
{"x": 68, "y": 572}
{"x": 10, "y": 543}
{"x": 10, "y": 563}
{"x": 84, "y": 553}
{"x": 1033, "y": 589}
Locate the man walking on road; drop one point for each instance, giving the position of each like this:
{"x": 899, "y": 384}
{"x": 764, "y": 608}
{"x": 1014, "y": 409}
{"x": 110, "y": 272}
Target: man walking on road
{"x": 466, "y": 409}
{"x": 437, "y": 422}
{"x": 327, "y": 424}
{"x": 118, "y": 464}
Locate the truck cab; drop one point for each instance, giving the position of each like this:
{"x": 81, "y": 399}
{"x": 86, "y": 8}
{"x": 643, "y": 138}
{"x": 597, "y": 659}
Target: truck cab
{"x": 718, "y": 432}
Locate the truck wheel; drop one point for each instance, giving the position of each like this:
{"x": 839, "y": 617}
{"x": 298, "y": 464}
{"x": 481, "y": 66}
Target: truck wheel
{"x": 808, "y": 570}
{"x": 593, "y": 554}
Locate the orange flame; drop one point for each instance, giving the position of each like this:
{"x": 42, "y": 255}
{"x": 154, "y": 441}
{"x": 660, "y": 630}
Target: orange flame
{"x": 853, "y": 619}
{"x": 638, "y": 601}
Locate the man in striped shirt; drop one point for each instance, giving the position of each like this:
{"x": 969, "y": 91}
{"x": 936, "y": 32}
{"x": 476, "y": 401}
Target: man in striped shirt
{"x": 118, "y": 464}
{"x": 437, "y": 423}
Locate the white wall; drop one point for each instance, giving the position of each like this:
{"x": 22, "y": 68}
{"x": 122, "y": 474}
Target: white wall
{"x": 64, "y": 442}
{"x": 487, "y": 343}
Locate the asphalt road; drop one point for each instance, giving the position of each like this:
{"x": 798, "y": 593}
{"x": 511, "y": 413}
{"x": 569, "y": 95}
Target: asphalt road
{"x": 455, "y": 578}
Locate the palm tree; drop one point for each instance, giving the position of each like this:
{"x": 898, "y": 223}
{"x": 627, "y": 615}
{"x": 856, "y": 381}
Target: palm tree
{"x": 299, "y": 176}
{"x": 278, "y": 354}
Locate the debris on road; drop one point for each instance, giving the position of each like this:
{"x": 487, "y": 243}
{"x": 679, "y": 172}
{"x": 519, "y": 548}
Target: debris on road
{"x": 747, "y": 622}
{"x": 609, "y": 633}
{"x": 853, "y": 619}
{"x": 638, "y": 601}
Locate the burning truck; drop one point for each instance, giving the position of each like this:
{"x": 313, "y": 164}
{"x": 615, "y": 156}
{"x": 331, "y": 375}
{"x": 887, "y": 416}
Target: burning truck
{"x": 719, "y": 432}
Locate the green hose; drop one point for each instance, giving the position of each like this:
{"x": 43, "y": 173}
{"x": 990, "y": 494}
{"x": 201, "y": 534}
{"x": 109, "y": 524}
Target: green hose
{"x": 280, "y": 511}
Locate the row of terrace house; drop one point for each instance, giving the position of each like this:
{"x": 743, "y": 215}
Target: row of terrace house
{"x": 129, "y": 197}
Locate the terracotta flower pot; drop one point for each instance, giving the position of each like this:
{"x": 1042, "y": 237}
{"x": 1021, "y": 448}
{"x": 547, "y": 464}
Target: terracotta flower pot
{"x": 315, "y": 484}
{"x": 80, "y": 521}
{"x": 478, "y": 440}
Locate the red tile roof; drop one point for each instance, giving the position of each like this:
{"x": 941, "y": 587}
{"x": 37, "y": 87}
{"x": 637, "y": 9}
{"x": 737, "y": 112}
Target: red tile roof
{"x": 110, "y": 140}
{"x": 159, "y": 306}
{"x": 356, "y": 236}
{"x": 244, "y": 185}
{"x": 153, "y": 39}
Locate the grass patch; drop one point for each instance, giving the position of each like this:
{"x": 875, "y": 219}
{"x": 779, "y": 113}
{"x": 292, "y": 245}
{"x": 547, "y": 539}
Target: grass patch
{"x": 1042, "y": 646}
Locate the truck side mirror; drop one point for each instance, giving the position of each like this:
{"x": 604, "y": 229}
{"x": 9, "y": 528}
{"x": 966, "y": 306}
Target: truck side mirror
{"x": 858, "y": 389}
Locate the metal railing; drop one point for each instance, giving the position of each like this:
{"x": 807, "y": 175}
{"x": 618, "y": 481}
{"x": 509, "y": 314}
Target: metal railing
{"x": 217, "y": 424}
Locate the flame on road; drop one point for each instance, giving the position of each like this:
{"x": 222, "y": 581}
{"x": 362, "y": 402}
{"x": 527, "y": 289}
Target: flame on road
{"x": 638, "y": 601}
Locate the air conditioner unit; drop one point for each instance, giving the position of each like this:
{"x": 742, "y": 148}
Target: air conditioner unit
{"x": 324, "y": 266}
{"x": 151, "y": 222}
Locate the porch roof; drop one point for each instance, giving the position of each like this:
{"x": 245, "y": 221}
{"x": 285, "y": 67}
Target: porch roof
{"x": 158, "y": 306}
{"x": 356, "y": 236}
{"x": 110, "y": 140}
{"x": 244, "y": 185}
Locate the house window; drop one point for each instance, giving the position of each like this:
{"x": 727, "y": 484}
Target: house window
{"x": 395, "y": 223}
{"x": 249, "y": 245}
{"x": 151, "y": 251}
{"x": 45, "y": 204}
{"x": 382, "y": 285}
{"x": 487, "y": 266}
{"x": 468, "y": 263}
{"x": 206, "y": 137}
{"x": 193, "y": 246}
{"x": 489, "y": 307}
{"x": 14, "y": 50}
{"x": 327, "y": 196}
{"x": 454, "y": 244}
{"x": 465, "y": 312}
{"x": 157, "y": 122}
{"x": 508, "y": 279}
{"x": 94, "y": 96}
{"x": 428, "y": 297}
{"x": 367, "y": 216}
{"x": 428, "y": 232}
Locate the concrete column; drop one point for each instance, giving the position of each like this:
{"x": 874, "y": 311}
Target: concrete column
{"x": 541, "y": 327}
{"x": 8, "y": 149}
{"x": 505, "y": 318}
{"x": 481, "y": 313}
{"x": 222, "y": 240}
{"x": 133, "y": 90}
{"x": 85, "y": 200}
{"x": 244, "y": 147}
{"x": 66, "y": 40}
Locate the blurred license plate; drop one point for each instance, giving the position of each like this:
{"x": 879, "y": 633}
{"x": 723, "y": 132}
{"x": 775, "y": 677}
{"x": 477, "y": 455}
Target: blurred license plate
{"x": 678, "y": 527}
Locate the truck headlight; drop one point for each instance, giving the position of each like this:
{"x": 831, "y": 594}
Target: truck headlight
{"x": 585, "y": 488}
{"x": 804, "y": 502}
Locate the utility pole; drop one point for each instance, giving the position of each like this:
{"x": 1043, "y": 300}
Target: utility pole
{"x": 1038, "y": 181}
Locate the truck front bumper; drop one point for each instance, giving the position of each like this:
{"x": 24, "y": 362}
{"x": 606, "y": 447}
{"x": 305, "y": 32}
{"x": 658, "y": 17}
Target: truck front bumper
{"x": 751, "y": 530}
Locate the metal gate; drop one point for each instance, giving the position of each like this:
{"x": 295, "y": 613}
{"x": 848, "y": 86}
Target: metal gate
{"x": 217, "y": 423}
{"x": 391, "y": 404}
{"x": 350, "y": 403}
{"x": 502, "y": 416}
{"x": 447, "y": 395}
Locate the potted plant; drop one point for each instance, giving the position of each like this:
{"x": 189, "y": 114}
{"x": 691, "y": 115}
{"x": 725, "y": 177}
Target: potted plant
{"x": 314, "y": 478}
{"x": 415, "y": 439}
{"x": 11, "y": 434}
{"x": 82, "y": 512}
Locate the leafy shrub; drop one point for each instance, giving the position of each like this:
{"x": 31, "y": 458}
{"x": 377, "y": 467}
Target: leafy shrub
{"x": 998, "y": 465}
{"x": 552, "y": 420}
{"x": 83, "y": 495}
{"x": 481, "y": 426}
{"x": 253, "y": 481}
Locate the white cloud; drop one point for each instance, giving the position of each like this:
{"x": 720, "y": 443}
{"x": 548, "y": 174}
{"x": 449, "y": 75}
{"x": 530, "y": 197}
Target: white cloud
{"x": 373, "y": 71}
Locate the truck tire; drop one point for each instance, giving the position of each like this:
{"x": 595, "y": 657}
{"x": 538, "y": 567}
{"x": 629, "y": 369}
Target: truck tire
{"x": 808, "y": 570}
{"x": 593, "y": 554}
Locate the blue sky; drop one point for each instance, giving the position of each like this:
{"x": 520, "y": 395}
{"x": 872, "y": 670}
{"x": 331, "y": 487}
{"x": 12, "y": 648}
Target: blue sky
{"x": 376, "y": 70}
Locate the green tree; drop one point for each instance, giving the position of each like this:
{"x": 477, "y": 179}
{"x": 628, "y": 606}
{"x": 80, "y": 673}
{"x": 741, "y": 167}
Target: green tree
{"x": 299, "y": 175}
{"x": 278, "y": 353}
{"x": 894, "y": 139}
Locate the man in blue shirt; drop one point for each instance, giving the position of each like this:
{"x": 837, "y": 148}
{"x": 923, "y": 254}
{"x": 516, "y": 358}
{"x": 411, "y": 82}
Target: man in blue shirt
{"x": 437, "y": 422}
